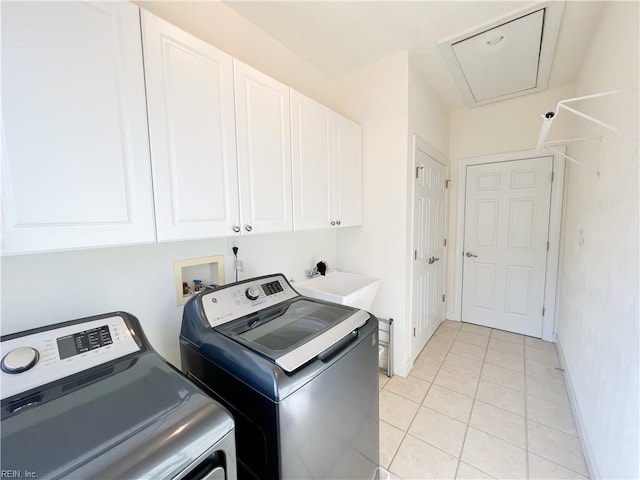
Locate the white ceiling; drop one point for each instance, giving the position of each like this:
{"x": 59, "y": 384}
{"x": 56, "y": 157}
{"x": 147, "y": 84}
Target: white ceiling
{"x": 339, "y": 37}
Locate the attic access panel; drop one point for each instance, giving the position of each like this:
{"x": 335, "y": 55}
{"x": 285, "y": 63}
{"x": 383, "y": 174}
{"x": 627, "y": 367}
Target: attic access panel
{"x": 507, "y": 58}
{"x": 502, "y": 60}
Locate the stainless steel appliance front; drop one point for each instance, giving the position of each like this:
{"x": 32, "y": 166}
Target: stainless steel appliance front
{"x": 299, "y": 375}
{"x": 98, "y": 402}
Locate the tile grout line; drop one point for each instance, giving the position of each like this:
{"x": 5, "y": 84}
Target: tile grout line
{"x": 555, "y": 429}
{"x": 473, "y": 403}
{"x": 448, "y": 350}
{"x": 526, "y": 403}
{"x": 406, "y": 432}
{"x": 526, "y": 412}
{"x": 562, "y": 465}
{"x": 552, "y": 402}
{"x": 431, "y": 445}
{"x": 484, "y": 402}
{"x": 528, "y": 420}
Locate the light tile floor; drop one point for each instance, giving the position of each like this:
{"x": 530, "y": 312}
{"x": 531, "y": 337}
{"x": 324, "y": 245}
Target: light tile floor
{"x": 479, "y": 403}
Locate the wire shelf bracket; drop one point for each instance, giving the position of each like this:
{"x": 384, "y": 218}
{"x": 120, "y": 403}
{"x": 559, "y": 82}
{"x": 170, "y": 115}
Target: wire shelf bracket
{"x": 547, "y": 121}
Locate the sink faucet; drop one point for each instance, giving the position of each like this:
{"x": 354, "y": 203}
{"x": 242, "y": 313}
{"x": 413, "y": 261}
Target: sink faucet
{"x": 319, "y": 269}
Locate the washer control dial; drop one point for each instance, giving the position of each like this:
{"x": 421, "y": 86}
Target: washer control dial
{"x": 20, "y": 360}
{"x": 252, "y": 293}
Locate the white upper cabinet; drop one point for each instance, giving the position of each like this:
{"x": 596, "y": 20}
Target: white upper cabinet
{"x": 312, "y": 154}
{"x": 87, "y": 152}
{"x": 75, "y": 159}
{"x": 348, "y": 172}
{"x": 192, "y": 132}
{"x": 264, "y": 151}
{"x": 327, "y": 166}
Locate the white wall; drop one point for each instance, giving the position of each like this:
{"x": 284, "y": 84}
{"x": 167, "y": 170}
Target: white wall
{"x": 598, "y": 325}
{"x": 216, "y": 23}
{"x": 429, "y": 120}
{"x": 376, "y": 97}
{"x": 428, "y": 116}
{"x": 48, "y": 288}
{"x": 507, "y": 126}
{"x": 391, "y": 101}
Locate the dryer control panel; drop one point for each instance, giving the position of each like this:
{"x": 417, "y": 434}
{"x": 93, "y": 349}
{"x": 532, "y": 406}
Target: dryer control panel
{"x": 244, "y": 298}
{"x": 35, "y": 359}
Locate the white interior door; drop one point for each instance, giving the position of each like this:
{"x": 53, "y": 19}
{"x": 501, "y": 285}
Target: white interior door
{"x": 428, "y": 255}
{"x": 505, "y": 244}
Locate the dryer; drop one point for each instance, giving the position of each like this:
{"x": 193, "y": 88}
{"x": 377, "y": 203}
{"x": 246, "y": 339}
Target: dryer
{"x": 89, "y": 398}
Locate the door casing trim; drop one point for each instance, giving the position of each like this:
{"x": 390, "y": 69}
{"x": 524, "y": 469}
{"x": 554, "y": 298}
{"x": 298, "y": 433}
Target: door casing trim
{"x": 555, "y": 225}
{"x": 424, "y": 146}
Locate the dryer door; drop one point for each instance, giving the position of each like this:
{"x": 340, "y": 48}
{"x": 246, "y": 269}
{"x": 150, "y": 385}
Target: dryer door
{"x": 217, "y": 474}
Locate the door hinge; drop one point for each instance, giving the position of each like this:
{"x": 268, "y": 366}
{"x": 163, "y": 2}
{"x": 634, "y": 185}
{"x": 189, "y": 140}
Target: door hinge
{"x": 543, "y": 311}
{"x": 445, "y": 242}
{"x": 414, "y": 331}
{"x": 443, "y": 297}
{"x": 418, "y": 168}
{"x": 415, "y": 254}
{"x": 446, "y": 183}
{"x": 547, "y": 245}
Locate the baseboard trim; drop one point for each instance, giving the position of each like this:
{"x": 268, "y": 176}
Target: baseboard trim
{"x": 577, "y": 416}
{"x": 404, "y": 369}
{"x": 452, "y": 316}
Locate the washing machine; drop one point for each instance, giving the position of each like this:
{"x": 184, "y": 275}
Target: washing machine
{"x": 89, "y": 398}
{"x": 299, "y": 375}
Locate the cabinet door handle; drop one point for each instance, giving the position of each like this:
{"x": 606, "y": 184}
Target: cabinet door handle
{"x": 333, "y": 223}
{"x": 236, "y": 228}
{"x": 469, "y": 255}
{"x": 248, "y": 228}
{"x": 337, "y": 222}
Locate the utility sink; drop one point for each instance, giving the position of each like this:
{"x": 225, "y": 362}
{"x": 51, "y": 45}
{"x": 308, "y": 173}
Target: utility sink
{"x": 341, "y": 287}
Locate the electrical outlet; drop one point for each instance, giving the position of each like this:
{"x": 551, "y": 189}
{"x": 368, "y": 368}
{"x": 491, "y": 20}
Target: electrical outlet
{"x": 233, "y": 242}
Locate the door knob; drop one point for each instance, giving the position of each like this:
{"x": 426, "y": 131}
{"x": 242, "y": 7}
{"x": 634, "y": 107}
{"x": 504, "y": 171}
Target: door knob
{"x": 469, "y": 254}
{"x": 333, "y": 223}
{"x": 236, "y": 228}
{"x": 248, "y": 228}
{"x": 430, "y": 260}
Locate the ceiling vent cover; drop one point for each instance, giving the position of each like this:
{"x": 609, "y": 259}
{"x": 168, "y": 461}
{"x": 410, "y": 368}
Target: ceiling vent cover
{"x": 507, "y": 58}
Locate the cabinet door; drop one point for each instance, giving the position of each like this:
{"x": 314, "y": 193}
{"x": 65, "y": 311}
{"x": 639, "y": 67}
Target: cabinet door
{"x": 348, "y": 172}
{"x": 75, "y": 162}
{"x": 264, "y": 151}
{"x": 312, "y": 161}
{"x": 192, "y": 133}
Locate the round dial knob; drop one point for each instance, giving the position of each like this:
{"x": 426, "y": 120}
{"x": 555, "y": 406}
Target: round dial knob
{"x": 252, "y": 293}
{"x": 20, "y": 360}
